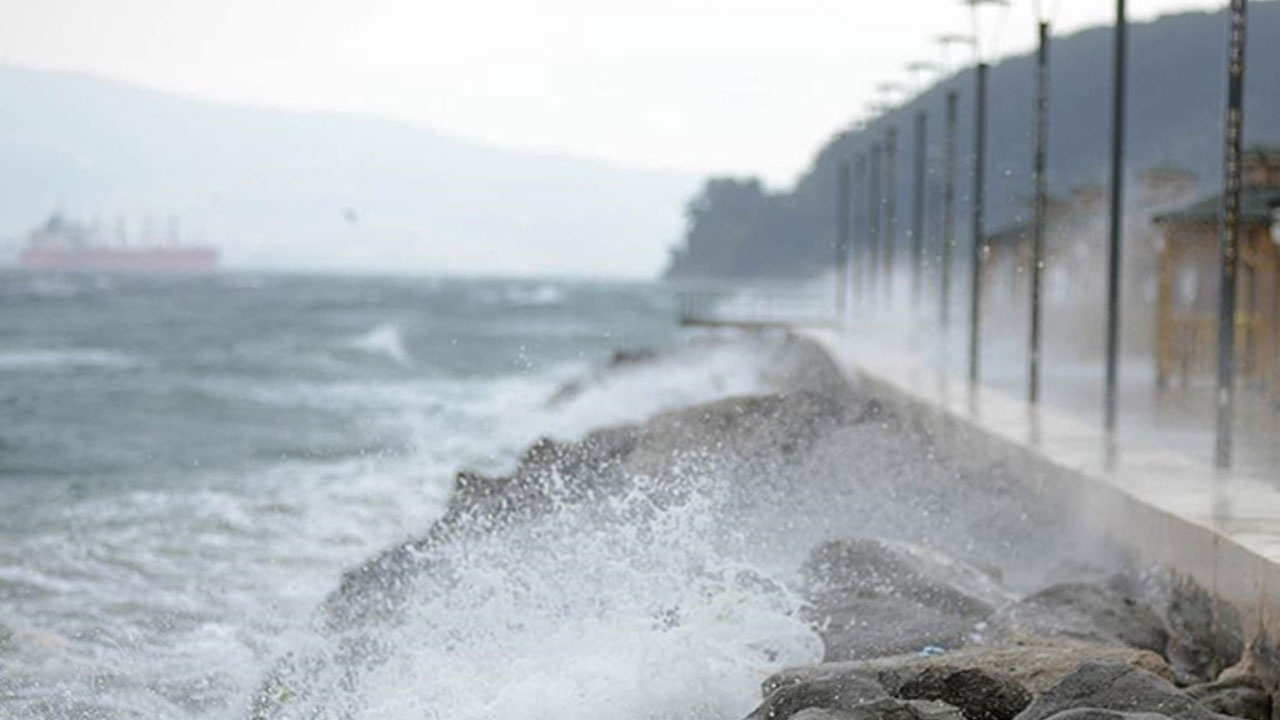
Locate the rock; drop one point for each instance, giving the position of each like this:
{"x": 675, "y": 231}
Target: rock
{"x": 623, "y": 357}
{"x": 1090, "y": 611}
{"x": 871, "y": 599}
{"x": 1100, "y": 714}
{"x": 1262, "y": 660}
{"x": 1242, "y": 696}
{"x": 553, "y": 474}
{"x": 819, "y": 714}
{"x": 860, "y": 627}
{"x": 1037, "y": 664}
{"x": 1205, "y": 636}
{"x": 836, "y": 692}
{"x": 775, "y": 426}
{"x": 790, "y": 364}
{"x": 797, "y": 364}
{"x": 620, "y": 359}
{"x": 887, "y": 709}
{"x": 980, "y": 694}
{"x": 1118, "y": 687}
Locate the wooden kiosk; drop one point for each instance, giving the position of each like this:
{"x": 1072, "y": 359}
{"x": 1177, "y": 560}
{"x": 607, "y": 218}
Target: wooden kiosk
{"x": 1188, "y": 271}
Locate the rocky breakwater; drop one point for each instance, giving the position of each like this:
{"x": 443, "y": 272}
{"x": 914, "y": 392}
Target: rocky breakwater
{"x": 907, "y": 640}
{"x": 802, "y": 528}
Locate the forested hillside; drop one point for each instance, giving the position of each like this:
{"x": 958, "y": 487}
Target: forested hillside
{"x": 737, "y": 228}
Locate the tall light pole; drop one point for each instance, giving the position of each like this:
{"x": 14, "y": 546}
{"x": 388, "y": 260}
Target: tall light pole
{"x": 890, "y": 208}
{"x": 1119, "y": 61}
{"x": 842, "y": 240}
{"x": 950, "y": 117}
{"x": 873, "y": 221}
{"x": 948, "y": 207}
{"x": 1229, "y": 235}
{"x": 917, "y": 71}
{"x": 979, "y": 191}
{"x": 890, "y": 245}
{"x": 917, "y": 208}
{"x": 1040, "y": 209}
{"x": 978, "y": 246}
{"x": 860, "y": 249}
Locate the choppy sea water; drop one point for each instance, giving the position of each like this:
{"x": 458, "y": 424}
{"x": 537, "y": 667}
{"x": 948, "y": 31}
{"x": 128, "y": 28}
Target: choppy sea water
{"x": 187, "y": 464}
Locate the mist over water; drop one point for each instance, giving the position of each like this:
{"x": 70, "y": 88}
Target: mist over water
{"x": 190, "y": 464}
{"x": 632, "y": 610}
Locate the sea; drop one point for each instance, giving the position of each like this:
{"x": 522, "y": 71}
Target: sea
{"x": 189, "y": 463}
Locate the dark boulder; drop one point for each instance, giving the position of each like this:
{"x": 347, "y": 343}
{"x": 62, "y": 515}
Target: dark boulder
{"x": 887, "y": 709}
{"x": 775, "y": 426}
{"x": 1205, "y": 636}
{"x": 871, "y": 599}
{"x": 836, "y": 692}
{"x": 1036, "y": 666}
{"x": 623, "y": 357}
{"x": 1118, "y": 687}
{"x": 980, "y": 694}
{"x": 1242, "y": 696}
{"x": 1100, "y": 714}
{"x": 1090, "y": 611}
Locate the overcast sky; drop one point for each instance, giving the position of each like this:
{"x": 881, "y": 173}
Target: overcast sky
{"x": 740, "y": 86}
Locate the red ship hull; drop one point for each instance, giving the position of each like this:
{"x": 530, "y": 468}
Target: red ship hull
{"x": 191, "y": 259}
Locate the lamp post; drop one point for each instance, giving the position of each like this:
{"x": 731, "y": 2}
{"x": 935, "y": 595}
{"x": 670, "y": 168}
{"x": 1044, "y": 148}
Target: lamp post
{"x": 917, "y": 69}
{"x": 948, "y": 182}
{"x": 873, "y": 221}
{"x": 1229, "y": 235}
{"x": 1119, "y": 60}
{"x": 890, "y": 209}
{"x": 842, "y": 240}
{"x": 860, "y": 247}
{"x": 890, "y": 238}
{"x": 979, "y": 189}
{"x": 948, "y": 207}
{"x": 1040, "y": 209}
{"x": 917, "y": 208}
{"x": 978, "y": 246}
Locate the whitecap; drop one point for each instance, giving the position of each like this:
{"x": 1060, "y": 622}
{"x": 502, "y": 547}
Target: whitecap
{"x": 534, "y": 296}
{"x": 689, "y": 375}
{"x": 59, "y": 359}
{"x": 385, "y": 340}
{"x": 41, "y": 287}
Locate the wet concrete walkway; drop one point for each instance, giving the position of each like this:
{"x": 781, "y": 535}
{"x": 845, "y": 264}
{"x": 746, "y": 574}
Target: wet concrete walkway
{"x": 1159, "y": 488}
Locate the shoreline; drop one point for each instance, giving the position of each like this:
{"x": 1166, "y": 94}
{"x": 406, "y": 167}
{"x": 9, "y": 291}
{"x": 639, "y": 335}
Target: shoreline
{"x": 885, "y": 604}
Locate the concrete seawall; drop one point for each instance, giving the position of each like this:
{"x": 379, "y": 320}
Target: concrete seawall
{"x": 1221, "y": 531}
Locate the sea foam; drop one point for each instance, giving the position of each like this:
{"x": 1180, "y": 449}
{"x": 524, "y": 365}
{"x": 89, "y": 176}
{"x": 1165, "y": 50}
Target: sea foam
{"x": 385, "y": 340}
{"x": 634, "y": 609}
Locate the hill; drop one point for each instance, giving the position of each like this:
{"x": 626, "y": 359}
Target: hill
{"x": 273, "y": 187}
{"x": 1177, "y": 79}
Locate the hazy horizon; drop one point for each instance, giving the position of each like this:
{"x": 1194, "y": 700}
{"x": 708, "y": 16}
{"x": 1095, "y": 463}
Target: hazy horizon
{"x": 725, "y": 88}
{"x": 490, "y": 140}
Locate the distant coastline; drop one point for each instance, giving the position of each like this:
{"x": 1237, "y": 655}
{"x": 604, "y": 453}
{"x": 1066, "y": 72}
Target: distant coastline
{"x": 738, "y": 227}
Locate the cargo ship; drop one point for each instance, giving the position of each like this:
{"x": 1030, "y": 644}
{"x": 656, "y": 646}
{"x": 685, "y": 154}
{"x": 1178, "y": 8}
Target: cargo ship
{"x": 60, "y": 244}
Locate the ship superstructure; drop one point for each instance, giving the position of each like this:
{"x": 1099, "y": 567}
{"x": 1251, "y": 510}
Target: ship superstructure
{"x": 61, "y": 244}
